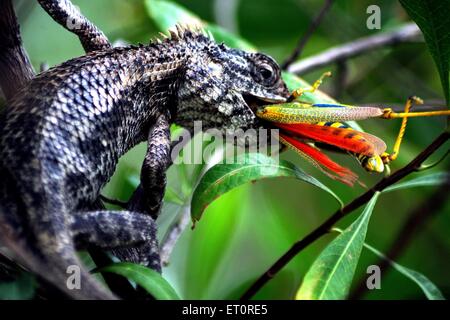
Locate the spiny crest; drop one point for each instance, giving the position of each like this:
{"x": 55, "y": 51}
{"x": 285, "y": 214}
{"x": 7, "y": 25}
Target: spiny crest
{"x": 184, "y": 32}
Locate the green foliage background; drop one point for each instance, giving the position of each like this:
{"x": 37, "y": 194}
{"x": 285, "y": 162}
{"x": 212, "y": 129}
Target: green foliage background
{"x": 247, "y": 229}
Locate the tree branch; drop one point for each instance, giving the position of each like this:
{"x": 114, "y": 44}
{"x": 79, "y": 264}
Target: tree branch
{"x": 408, "y": 33}
{"x": 15, "y": 66}
{"x": 340, "y": 82}
{"x": 304, "y": 39}
{"x": 418, "y": 217}
{"x": 7, "y": 267}
{"x": 339, "y": 214}
{"x": 173, "y": 234}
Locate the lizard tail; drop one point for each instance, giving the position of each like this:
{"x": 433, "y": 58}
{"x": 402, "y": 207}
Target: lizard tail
{"x": 52, "y": 258}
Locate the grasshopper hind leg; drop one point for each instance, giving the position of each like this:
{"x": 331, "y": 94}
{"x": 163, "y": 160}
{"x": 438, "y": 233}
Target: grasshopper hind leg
{"x": 387, "y": 158}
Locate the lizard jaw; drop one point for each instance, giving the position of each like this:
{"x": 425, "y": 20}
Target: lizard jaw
{"x": 254, "y": 102}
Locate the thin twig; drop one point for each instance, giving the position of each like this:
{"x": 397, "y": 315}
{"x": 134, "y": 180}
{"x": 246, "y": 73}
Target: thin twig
{"x": 407, "y": 33}
{"x": 340, "y": 81}
{"x": 304, "y": 39}
{"x": 173, "y": 234}
{"x": 418, "y": 217}
{"x": 339, "y": 214}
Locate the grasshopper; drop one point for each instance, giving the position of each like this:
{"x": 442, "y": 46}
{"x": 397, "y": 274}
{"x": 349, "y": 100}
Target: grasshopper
{"x": 303, "y": 124}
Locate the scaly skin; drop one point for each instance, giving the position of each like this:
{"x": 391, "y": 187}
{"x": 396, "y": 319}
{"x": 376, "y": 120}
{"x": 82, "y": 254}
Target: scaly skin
{"x": 62, "y": 135}
{"x": 65, "y": 13}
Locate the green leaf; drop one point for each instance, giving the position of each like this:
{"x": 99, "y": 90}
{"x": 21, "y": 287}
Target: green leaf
{"x": 429, "y": 289}
{"x": 167, "y": 14}
{"x": 433, "y": 18}
{"x": 147, "y": 278}
{"x": 21, "y": 289}
{"x": 251, "y": 167}
{"x": 331, "y": 274}
{"x": 230, "y": 39}
{"x": 434, "y": 179}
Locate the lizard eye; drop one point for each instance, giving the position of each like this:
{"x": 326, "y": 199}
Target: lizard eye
{"x": 265, "y": 74}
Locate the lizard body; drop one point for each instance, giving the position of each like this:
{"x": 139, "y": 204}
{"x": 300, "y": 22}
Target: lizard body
{"x": 62, "y": 134}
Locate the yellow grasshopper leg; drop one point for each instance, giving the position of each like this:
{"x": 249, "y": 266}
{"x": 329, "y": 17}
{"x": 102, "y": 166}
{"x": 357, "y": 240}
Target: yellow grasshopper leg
{"x": 299, "y": 92}
{"x": 388, "y": 114}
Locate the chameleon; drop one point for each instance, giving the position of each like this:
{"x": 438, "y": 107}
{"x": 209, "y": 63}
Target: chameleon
{"x": 63, "y": 132}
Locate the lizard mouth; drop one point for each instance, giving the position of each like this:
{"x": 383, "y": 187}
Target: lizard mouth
{"x": 254, "y": 102}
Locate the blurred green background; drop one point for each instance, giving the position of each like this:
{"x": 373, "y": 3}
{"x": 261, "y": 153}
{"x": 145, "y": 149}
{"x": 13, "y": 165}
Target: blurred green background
{"x": 245, "y": 231}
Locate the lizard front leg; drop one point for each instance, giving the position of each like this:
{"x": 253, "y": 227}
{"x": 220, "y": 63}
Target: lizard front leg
{"x": 149, "y": 194}
{"x": 147, "y": 198}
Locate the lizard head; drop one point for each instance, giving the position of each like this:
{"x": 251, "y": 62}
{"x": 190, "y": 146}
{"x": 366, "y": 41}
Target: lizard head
{"x": 223, "y": 88}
